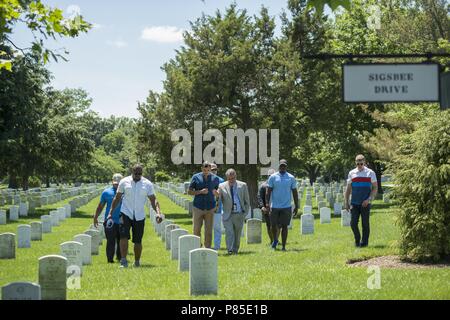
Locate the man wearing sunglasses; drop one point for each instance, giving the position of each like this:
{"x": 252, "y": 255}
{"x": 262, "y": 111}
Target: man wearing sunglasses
{"x": 204, "y": 187}
{"x": 362, "y": 185}
{"x": 134, "y": 191}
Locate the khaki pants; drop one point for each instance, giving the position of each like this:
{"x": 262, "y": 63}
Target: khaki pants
{"x": 197, "y": 219}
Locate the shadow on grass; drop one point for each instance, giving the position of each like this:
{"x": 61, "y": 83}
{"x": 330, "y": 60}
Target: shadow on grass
{"x": 145, "y": 266}
{"x": 171, "y": 216}
{"x": 378, "y": 246}
{"x": 241, "y": 253}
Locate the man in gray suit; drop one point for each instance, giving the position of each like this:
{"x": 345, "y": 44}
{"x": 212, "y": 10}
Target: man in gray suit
{"x": 236, "y": 204}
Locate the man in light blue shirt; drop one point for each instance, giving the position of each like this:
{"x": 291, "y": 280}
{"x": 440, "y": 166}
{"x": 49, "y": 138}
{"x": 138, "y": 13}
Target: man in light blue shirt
{"x": 280, "y": 187}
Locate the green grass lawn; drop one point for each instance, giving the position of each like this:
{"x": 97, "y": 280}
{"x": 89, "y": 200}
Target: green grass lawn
{"x": 314, "y": 267}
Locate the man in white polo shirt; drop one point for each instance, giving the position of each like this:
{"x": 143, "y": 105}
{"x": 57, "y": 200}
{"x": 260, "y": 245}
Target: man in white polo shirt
{"x": 134, "y": 191}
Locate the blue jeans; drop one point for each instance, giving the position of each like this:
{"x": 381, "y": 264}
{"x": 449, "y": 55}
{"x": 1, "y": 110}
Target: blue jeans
{"x": 356, "y": 211}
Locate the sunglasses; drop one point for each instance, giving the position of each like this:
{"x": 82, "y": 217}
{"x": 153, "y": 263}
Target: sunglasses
{"x": 360, "y": 163}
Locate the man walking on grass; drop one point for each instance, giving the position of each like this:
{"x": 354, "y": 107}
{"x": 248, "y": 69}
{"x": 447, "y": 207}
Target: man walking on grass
{"x": 281, "y": 185}
{"x": 362, "y": 185}
{"x": 134, "y": 191}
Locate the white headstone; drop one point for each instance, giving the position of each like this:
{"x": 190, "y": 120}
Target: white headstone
{"x": 307, "y": 209}
{"x": 21, "y": 291}
{"x": 325, "y": 215}
{"x": 7, "y": 246}
{"x": 46, "y": 224}
{"x": 52, "y": 277}
{"x": 203, "y": 272}
{"x": 174, "y": 236}
{"x": 72, "y": 251}
{"x": 346, "y": 217}
{"x": 36, "y": 231}
{"x": 55, "y": 218}
{"x": 14, "y": 213}
{"x": 62, "y": 214}
{"x": 68, "y": 210}
{"x": 307, "y": 224}
{"x": 337, "y": 208}
{"x": 186, "y": 243}
{"x": 23, "y": 209}
{"x": 23, "y": 236}
{"x": 2, "y": 217}
{"x": 95, "y": 234}
{"x": 254, "y": 231}
{"x": 85, "y": 239}
{"x": 169, "y": 228}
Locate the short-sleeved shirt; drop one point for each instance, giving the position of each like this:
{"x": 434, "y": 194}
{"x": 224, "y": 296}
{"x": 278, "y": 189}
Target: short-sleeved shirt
{"x": 107, "y": 197}
{"x": 204, "y": 201}
{"x": 361, "y": 182}
{"x": 135, "y": 195}
{"x": 282, "y": 186}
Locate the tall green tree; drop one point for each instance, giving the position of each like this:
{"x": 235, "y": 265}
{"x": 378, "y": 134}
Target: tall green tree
{"x": 43, "y": 21}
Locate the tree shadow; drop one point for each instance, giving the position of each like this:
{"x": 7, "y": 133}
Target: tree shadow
{"x": 171, "y": 216}
{"x": 379, "y": 246}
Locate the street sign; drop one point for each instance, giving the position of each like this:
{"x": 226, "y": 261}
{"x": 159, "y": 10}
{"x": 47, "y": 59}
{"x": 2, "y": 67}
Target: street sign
{"x": 391, "y": 82}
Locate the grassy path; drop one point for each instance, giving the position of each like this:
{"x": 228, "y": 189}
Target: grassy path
{"x": 314, "y": 267}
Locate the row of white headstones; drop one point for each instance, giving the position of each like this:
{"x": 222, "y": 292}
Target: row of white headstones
{"x": 201, "y": 263}
{"x": 55, "y": 271}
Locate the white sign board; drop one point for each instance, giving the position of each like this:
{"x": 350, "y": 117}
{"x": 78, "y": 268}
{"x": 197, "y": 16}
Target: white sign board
{"x": 390, "y": 82}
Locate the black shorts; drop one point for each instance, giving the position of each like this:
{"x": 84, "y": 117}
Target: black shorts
{"x": 280, "y": 217}
{"x": 137, "y": 228}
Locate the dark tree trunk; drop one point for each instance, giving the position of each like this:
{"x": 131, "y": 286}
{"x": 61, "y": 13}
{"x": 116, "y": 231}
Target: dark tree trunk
{"x": 313, "y": 172}
{"x": 47, "y": 181}
{"x": 249, "y": 175}
{"x": 25, "y": 182}
{"x": 376, "y": 167}
{"x": 13, "y": 184}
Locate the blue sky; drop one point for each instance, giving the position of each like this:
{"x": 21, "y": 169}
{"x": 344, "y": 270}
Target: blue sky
{"x": 119, "y": 61}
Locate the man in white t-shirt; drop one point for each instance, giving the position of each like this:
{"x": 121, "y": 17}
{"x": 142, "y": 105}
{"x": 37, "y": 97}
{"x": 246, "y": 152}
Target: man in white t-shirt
{"x": 134, "y": 191}
{"x": 362, "y": 185}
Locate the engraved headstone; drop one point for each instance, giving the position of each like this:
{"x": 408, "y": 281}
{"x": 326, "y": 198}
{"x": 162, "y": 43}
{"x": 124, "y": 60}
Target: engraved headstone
{"x": 85, "y": 239}
{"x": 55, "y": 218}
{"x": 14, "y": 213}
{"x": 72, "y": 251}
{"x": 203, "y": 272}
{"x": 325, "y": 215}
{"x": 24, "y": 236}
{"x": 21, "y": 291}
{"x": 174, "y": 236}
{"x": 186, "y": 243}
{"x": 307, "y": 223}
{"x": 2, "y": 217}
{"x": 254, "y": 231}
{"x": 345, "y": 218}
{"x": 169, "y": 228}
{"x": 46, "y": 224}
{"x": 337, "y": 208}
{"x": 95, "y": 234}
{"x": 23, "y": 209}
{"x": 7, "y": 246}
{"x": 36, "y": 231}
{"x": 52, "y": 277}
{"x": 62, "y": 214}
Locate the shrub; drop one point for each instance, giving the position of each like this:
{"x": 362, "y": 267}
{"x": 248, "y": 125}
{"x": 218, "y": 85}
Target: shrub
{"x": 161, "y": 176}
{"x": 34, "y": 182}
{"x": 422, "y": 175}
